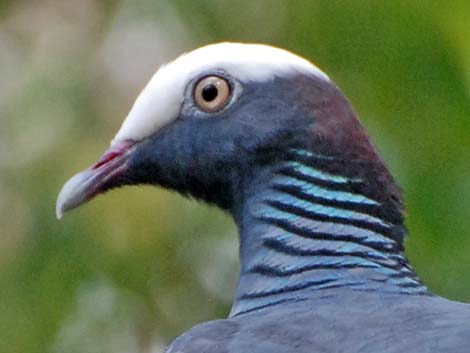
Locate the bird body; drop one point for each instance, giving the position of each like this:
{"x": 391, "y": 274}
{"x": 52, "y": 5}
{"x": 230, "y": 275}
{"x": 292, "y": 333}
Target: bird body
{"x": 267, "y": 136}
{"x": 338, "y": 321}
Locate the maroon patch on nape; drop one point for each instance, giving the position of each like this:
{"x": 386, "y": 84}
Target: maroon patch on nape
{"x": 336, "y": 131}
{"x": 113, "y": 152}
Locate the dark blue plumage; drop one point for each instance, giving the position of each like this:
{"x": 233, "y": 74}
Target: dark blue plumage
{"x": 320, "y": 217}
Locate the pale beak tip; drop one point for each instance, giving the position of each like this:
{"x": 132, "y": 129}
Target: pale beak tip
{"x": 73, "y": 193}
{"x": 58, "y": 212}
{"x": 95, "y": 180}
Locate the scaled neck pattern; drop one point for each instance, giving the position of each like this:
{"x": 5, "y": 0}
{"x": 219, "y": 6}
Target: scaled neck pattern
{"x": 308, "y": 229}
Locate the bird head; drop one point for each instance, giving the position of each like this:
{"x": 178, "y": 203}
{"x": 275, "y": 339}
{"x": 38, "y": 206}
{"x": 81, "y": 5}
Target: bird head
{"x": 208, "y": 121}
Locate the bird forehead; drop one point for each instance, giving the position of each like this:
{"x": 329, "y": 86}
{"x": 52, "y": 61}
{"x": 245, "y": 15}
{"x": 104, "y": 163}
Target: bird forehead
{"x": 160, "y": 101}
{"x": 246, "y": 62}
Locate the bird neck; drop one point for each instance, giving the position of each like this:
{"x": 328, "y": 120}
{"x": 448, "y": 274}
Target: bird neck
{"x": 305, "y": 230}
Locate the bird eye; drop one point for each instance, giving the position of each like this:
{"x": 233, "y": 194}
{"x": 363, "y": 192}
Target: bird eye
{"x": 212, "y": 93}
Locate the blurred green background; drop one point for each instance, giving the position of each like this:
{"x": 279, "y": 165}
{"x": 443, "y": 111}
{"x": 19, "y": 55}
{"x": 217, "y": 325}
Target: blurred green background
{"x": 135, "y": 268}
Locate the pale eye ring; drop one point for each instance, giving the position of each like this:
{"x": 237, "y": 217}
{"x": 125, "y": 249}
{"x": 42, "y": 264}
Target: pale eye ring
{"x": 212, "y": 93}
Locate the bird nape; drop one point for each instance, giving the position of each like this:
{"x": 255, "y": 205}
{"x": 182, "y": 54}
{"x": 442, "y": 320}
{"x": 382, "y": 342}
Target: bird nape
{"x": 269, "y": 138}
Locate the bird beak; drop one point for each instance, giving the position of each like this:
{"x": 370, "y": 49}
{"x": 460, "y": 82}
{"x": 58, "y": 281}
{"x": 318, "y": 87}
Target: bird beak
{"x": 95, "y": 180}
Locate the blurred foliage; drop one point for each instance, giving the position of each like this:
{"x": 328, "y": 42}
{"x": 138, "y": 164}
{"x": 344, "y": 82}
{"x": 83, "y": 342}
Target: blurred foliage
{"x": 135, "y": 268}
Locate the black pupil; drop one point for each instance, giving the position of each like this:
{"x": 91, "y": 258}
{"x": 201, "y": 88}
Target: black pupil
{"x": 209, "y": 92}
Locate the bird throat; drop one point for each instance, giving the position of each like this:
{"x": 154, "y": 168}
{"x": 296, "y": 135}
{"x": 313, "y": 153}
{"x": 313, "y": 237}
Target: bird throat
{"x": 307, "y": 228}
